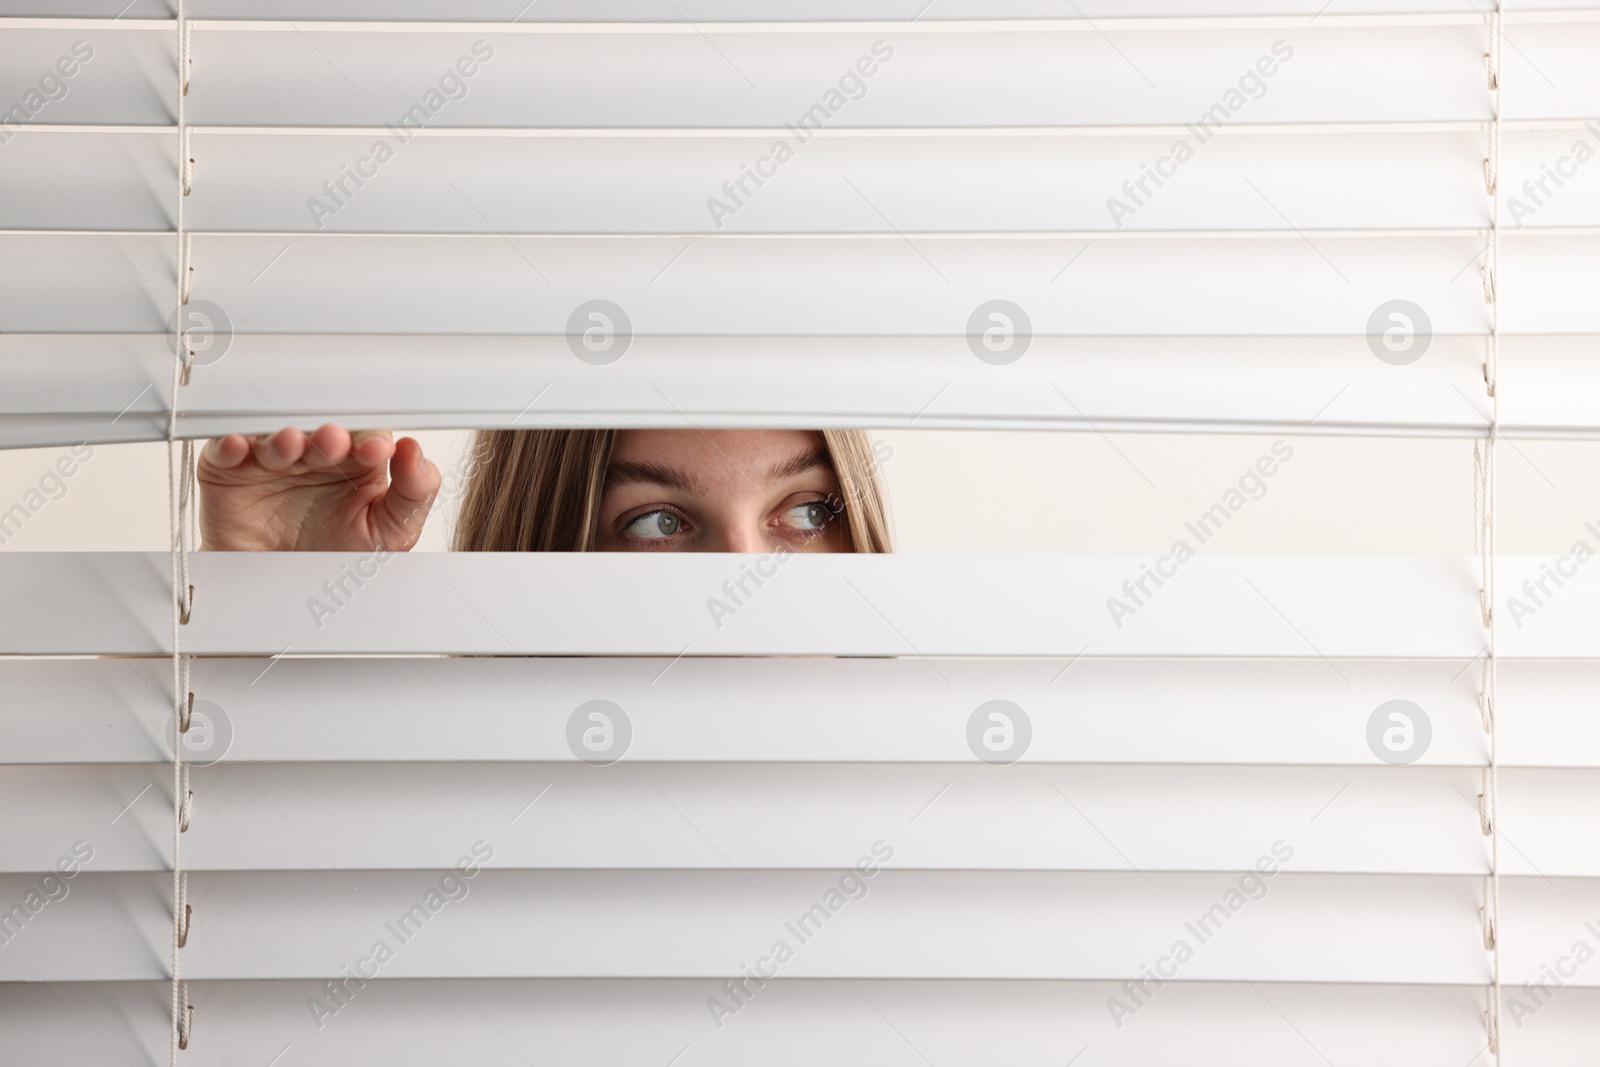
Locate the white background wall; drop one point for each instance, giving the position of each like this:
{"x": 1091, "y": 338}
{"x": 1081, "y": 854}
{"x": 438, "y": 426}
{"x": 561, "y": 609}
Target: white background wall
{"x": 975, "y": 491}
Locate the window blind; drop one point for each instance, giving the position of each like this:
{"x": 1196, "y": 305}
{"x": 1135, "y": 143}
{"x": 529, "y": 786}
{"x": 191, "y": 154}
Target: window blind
{"x": 978, "y": 804}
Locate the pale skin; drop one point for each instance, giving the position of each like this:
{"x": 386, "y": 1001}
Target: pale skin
{"x": 666, "y": 491}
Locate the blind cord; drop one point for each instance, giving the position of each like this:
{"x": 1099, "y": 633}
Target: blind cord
{"x": 180, "y": 509}
{"x": 1484, "y": 484}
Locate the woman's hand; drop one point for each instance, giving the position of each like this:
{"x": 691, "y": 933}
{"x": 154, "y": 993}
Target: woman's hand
{"x": 331, "y": 492}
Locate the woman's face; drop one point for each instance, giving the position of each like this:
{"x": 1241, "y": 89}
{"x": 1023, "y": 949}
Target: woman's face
{"x": 721, "y": 491}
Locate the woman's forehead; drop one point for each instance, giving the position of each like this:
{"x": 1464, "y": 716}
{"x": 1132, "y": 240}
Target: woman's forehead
{"x": 714, "y": 455}
{"x": 754, "y": 448}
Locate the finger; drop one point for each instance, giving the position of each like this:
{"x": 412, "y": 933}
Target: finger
{"x": 327, "y": 448}
{"x": 281, "y": 450}
{"x": 372, "y": 448}
{"x": 413, "y": 483}
{"x": 225, "y": 453}
{"x": 412, "y": 478}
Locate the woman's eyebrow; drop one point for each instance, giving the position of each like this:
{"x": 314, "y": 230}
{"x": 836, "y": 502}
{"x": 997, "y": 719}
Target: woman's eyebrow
{"x": 632, "y": 471}
{"x": 799, "y": 464}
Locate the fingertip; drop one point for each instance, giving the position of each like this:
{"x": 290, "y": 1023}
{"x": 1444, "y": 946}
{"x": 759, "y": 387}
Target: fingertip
{"x": 373, "y": 447}
{"x": 412, "y": 472}
{"x": 293, "y": 442}
{"x": 225, "y": 452}
{"x": 332, "y": 443}
{"x": 330, "y": 432}
{"x": 408, "y": 456}
{"x": 283, "y": 448}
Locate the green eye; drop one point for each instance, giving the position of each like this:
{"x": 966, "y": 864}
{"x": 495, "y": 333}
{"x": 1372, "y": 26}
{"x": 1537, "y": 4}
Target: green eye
{"x": 654, "y": 525}
{"x": 808, "y": 517}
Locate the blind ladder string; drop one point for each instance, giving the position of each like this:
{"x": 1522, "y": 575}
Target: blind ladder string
{"x": 1484, "y": 483}
{"x": 180, "y": 507}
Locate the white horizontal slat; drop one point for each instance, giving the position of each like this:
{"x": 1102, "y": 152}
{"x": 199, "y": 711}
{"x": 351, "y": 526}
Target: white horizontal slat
{"x": 557, "y": 182}
{"x": 63, "y": 389}
{"x": 628, "y": 604}
{"x": 87, "y": 180}
{"x": 910, "y": 924}
{"x": 1294, "y": 711}
{"x": 118, "y": 77}
{"x": 929, "y": 184}
{"x": 967, "y": 816}
{"x": 1060, "y": 72}
{"x": 1562, "y": 385}
{"x": 511, "y": 1022}
{"x": 68, "y": 388}
{"x": 1544, "y": 601}
{"x": 882, "y": 285}
{"x": 565, "y": 184}
{"x": 1017, "y": 77}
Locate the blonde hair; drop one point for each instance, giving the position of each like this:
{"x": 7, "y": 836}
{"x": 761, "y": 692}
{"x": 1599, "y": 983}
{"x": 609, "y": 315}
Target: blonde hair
{"x": 539, "y": 490}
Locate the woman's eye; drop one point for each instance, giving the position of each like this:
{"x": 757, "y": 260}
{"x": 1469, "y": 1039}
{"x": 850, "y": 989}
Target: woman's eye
{"x": 653, "y": 526}
{"x": 811, "y": 516}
